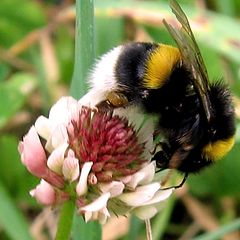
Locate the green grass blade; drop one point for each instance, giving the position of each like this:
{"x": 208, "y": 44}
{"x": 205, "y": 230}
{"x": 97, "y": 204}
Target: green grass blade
{"x": 221, "y": 232}
{"x": 11, "y": 219}
{"x": 84, "y": 57}
{"x": 84, "y": 47}
{"x": 161, "y": 221}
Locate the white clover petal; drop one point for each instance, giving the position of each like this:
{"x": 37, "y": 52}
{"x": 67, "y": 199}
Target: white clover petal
{"x": 159, "y": 196}
{"x": 103, "y": 215}
{"x": 71, "y": 153}
{"x": 134, "y": 115}
{"x": 126, "y": 179}
{"x": 86, "y": 99}
{"x": 143, "y": 125}
{"x": 44, "y": 193}
{"x": 97, "y": 204}
{"x": 62, "y": 110}
{"x": 147, "y": 127}
{"x": 143, "y": 176}
{"x": 92, "y": 98}
{"x": 56, "y": 158}
{"x": 136, "y": 178}
{"x": 145, "y": 135}
{"x": 58, "y": 137}
{"x": 43, "y": 127}
{"x": 70, "y": 168}
{"x": 141, "y": 195}
{"x": 95, "y": 215}
{"x": 145, "y": 213}
{"x": 88, "y": 216}
{"x": 81, "y": 187}
{"x": 115, "y": 188}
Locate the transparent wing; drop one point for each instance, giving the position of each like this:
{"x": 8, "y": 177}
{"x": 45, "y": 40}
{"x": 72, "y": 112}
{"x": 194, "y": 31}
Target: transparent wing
{"x": 191, "y": 55}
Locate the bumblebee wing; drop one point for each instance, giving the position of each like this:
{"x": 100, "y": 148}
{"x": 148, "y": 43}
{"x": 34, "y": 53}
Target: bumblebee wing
{"x": 191, "y": 55}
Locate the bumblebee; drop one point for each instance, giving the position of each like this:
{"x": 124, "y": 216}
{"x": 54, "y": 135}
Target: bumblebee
{"x": 196, "y": 117}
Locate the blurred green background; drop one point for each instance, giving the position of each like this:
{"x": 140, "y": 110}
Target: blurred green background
{"x": 36, "y": 66}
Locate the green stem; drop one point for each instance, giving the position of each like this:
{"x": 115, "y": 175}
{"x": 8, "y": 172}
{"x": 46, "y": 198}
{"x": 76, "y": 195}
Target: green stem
{"x": 65, "y": 221}
{"x": 84, "y": 46}
{"x": 84, "y": 56}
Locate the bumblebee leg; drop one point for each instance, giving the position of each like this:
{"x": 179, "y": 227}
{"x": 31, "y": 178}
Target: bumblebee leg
{"x": 179, "y": 185}
{"x": 104, "y": 106}
{"x": 113, "y": 100}
{"x": 117, "y": 99}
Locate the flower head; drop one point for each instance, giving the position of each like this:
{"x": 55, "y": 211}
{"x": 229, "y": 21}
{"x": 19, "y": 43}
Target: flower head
{"x": 99, "y": 159}
{"x": 106, "y": 140}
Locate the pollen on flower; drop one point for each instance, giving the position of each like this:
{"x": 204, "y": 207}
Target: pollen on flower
{"x": 108, "y": 141}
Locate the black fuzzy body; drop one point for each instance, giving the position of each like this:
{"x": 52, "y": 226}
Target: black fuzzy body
{"x": 182, "y": 120}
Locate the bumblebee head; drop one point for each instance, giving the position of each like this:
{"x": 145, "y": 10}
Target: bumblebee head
{"x": 222, "y": 127}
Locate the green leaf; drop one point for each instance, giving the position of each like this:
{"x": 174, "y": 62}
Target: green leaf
{"x": 220, "y": 179}
{"x": 226, "y": 7}
{"x": 11, "y": 168}
{"x": 13, "y": 94}
{"x": 207, "y": 26}
{"x": 11, "y": 219}
{"x": 17, "y": 19}
{"x": 43, "y": 85}
{"x": 13, "y": 174}
{"x": 86, "y": 231}
{"x": 135, "y": 228}
{"x": 4, "y": 71}
{"x": 64, "y": 51}
{"x": 102, "y": 43}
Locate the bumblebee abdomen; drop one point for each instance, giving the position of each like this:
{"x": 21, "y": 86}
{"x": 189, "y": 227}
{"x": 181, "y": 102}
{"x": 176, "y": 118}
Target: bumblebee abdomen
{"x": 217, "y": 150}
{"x": 222, "y": 126}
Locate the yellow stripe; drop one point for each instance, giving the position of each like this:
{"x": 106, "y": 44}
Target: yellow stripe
{"x": 216, "y": 150}
{"x": 160, "y": 65}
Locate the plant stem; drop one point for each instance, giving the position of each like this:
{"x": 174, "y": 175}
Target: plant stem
{"x": 148, "y": 229}
{"x": 65, "y": 221}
